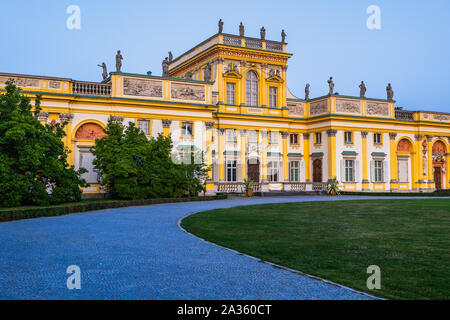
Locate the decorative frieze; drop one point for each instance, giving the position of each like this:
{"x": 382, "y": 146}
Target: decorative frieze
{"x": 348, "y": 106}
{"x": 55, "y": 85}
{"x": 295, "y": 109}
{"x": 21, "y": 82}
{"x": 377, "y": 109}
{"x": 318, "y": 107}
{"x": 142, "y": 87}
{"x": 187, "y": 92}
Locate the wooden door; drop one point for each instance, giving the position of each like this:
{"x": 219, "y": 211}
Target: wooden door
{"x": 253, "y": 170}
{"x": 317, "y": 170}
{"x": 438, "y": 177}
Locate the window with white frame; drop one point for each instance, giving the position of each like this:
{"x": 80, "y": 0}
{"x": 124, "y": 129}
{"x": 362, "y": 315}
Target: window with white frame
{"x": 273, "y": 97}
{"x": 273, "y": 137}
{"x": 272, "y": 171}
{"x": 187, "y": 129}
{"x": 318, "y": 139}
{"x": 144, "y": 125}
{"x": 348, "y": 137}
{"x": 294, "y": 171}
{"x": 252, "y": 89}
{"x": 377, "y": 138}
{"x": 252, "y": 136}
{"x": 231, "y": 170}
{"x": 378, "y": 171}
{"x": 231, "y": 136}
{"x": 349, "y": 168}
{"x": 293, "y": 138}
{"x": 231, "y": 89}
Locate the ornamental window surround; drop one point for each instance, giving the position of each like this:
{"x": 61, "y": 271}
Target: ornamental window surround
{"x": 252, "y": 88}
{"x": 144, "y": 125}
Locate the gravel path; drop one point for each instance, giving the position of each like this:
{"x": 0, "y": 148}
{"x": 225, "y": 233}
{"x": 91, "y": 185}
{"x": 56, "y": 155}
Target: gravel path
{"x": 141, "y": 253}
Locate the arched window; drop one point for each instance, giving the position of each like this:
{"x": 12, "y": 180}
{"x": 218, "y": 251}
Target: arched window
{"x": 252, "y": 89}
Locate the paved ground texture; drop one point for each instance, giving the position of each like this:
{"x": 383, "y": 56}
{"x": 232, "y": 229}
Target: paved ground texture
{"x": 141, "y": 253}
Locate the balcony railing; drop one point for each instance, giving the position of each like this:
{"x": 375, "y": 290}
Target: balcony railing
{"x": 298, "y": 187}
{"x": 253, "y": 44}
{"x": 231, "y": 40}
{"x": 404, "y": 115}
{"x": 230, "y": 187}
{"x": 319, "y": 186}
{"x": 91, "y": 88}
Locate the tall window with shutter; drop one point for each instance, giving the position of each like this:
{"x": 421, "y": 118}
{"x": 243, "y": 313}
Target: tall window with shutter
{"x": 252, "y": 89}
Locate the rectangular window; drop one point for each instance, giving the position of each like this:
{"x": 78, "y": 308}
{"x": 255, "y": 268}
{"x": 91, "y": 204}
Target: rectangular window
{"x": 231, "y": 170}
{"x": 377, "y": 138}
{"x": 273, "y": 97}
{"x": 144, "y": 125}
{"x": 293, "y": 139}
{"x": 272, "y": 171}
{"x": 273, "y": 137}
{"x": 294, "y": 171}
{"x": 231, "y": 136}
{"x": 318, "y": 138}
{"x": 348, "y": 137}
{"x": 187, "y": 129}
{"x": 349, "y": 170}
{"x": 231, "y": 89}
{"x": 378, "y": 171}
{"x": 252, "y": 136}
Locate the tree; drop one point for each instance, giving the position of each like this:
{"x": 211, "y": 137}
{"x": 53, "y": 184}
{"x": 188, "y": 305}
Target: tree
{"x": 134, "y": 167}
{"x": 33, "y": 158}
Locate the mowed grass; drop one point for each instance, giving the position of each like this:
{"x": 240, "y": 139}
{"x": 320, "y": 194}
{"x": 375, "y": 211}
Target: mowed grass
{"x": 408, "y": 239}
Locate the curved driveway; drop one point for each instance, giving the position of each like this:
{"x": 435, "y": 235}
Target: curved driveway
{"x": 141, "y": 253}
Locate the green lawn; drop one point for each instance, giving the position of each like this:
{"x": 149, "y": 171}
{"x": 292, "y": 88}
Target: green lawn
{"x": 408, "y": 239}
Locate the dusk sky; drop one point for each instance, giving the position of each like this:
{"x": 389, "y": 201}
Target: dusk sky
{"x": 327, "y": 38}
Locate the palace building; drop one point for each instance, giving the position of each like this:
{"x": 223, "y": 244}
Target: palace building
{"x": 228, "y": 96}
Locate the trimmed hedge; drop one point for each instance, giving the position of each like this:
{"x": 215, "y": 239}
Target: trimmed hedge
{"x": 440, "y": 193}
{"x": 9, "y": 214}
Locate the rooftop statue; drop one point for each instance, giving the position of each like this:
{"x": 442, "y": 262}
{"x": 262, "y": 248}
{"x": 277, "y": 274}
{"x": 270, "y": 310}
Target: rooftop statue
{"x": 307, "y": 91}
{"x": 363, "y": 89}
{"x": 105, "y": 72}
{"x": 390, "y": 92}
{"x": 241, "y": 29}
{"x": 283, "y": 36}
{"x": 220, "y": 26}
{"x": 207, "y": 72}
{"x": 165, "y": 67}
{"x": 119, "y": 59}
{"x": 170, "y": 57}
{"x": 331, "y": 85}
{"x": 263, "y": 33}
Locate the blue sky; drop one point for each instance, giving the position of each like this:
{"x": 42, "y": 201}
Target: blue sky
{"x": 327, "y": 37}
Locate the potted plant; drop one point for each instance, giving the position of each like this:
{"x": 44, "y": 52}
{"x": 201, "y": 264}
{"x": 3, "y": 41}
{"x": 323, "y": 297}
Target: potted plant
{"x": 248, "y": 185}
{"x": 333, "y": 187}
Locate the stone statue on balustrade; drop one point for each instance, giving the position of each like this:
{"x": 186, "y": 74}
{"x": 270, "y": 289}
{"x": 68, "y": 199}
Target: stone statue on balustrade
{"x": 241, "y": 29}
{"x": 283, "y": 36}
{"x": 220, "y": 26}
{"x": 362, "y": 89}
{"x": 390, "y": 92}
{"x": 119, "y": 59}
{"x": 105, "y": 71}
{"x": 263, "y": 33}
{"x": 307, "y": 91}
{"x": 331, "y": 86}
{"x": 165, "y": 67}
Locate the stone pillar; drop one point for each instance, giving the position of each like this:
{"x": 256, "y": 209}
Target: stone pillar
{"x": 209, "y": 134}
{"x": 242, "y": 135}
{"x": 284, "y": 136}
{"x": 220, "y": 79}
{"x": 220, "y": 150}
{"x": 419, "y": 177}
{"x": 284, "y": 87}
{"x": 263, "y": 89}
{"x": 393, "y": 157}
{"x": 365, "y": 179}
{"x": 264, "y": 155}
{"x": 67, "y": 118}
{"x": 331, "y": 153}
{"x": 166, "y": 127}
{"x": 307, "y": 156}
{"x": 242, "y": 84}
{"x": 431, "y": 184}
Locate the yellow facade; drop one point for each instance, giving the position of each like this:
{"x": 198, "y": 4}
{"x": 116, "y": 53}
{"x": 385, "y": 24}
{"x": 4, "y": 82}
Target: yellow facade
{"x": 247, "y": 92}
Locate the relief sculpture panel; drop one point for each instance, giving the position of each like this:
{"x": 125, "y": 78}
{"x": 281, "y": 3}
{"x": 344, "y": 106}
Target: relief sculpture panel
{"x": 295, "y": 109}
{"x": 142, "y": 87}
{"x": 377, "y": 109}
{"x": 318, "y": 107}
{"x": 187, "y": 92}
{"x": 348, "y": 106}
{"x": 21, "y": 82}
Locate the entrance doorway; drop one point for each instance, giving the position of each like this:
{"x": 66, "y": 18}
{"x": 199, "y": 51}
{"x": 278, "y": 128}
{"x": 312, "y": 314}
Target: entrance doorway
{"x": 253, "y": 170}
{"x": 438, "y": 177}
{"x": 317, "y": 170}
